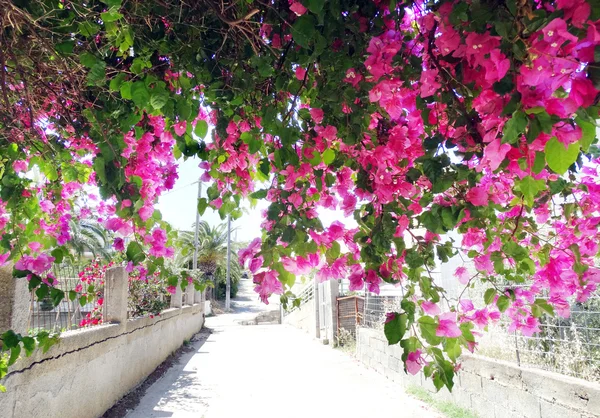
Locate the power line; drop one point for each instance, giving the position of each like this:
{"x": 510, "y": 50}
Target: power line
{"x": 179, "y": 188}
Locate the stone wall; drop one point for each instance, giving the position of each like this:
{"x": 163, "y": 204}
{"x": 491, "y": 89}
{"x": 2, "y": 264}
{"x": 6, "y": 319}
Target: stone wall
{"x": 89, "y": 370}
{"x": 492, "y": 388}
{"x": 304, "y": 318}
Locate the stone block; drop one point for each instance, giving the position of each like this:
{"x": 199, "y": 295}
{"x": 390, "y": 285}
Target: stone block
{"x": 115, "y": 295}
{"x": 504, "y": 412}
{"x": 496, "y": 393}
{"x": 393, "y": 364}
{"x": 483, "y": 407}
{"x": 572, "y": 393}
{"x": 461, "y": 397}
{"x": 470, "y": 382}
{"x": 553, "y": 410}
{"x": 503, "y": 372}
{"x": 15, "y": 299}
{"x": 524, "y": 403}
{"x": 377, "y": 344}
{"x": 177, "y": 298}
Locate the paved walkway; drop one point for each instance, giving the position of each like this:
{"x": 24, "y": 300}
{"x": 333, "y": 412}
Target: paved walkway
{"x": 269, "y": 371}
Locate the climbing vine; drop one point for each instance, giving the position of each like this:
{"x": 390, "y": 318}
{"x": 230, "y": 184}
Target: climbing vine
{"x": 415, "y": 118}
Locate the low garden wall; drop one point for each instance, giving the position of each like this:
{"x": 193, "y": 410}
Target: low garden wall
{"x": 303, "y": 318}
{"x": 90, "y": 369}
{"x": 492, "y": 388}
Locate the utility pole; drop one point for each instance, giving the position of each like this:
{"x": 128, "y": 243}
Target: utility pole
{"x": 228, "y": 285}
{"x": 195, "y": 266}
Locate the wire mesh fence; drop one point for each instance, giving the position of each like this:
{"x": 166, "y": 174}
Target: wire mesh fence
{"x": 148, "y": 296}
{"x": 569, "y": 346}
{"x": 71, "y": 312}
{"x": 303, "y": 297}
{"x": 350, "y": 311}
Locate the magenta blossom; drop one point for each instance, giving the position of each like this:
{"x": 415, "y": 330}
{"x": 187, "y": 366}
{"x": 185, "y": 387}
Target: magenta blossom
{"x": 414, "y": 362}
{"x": 447, "y": 326}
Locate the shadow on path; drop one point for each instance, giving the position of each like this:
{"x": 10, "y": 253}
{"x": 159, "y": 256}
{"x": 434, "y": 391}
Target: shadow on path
{"x": 173, "y": 363}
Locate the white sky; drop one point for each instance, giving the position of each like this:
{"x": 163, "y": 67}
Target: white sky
{"x": 178, "y": 206}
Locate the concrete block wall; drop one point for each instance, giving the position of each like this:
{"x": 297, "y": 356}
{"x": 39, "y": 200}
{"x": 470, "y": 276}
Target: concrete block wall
{"x": 304, "y": 318}
{"x": 91, "y": 369}
{"x": 492, "y": 388}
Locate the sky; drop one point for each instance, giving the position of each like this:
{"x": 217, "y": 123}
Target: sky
{"x": 178, "y": 207}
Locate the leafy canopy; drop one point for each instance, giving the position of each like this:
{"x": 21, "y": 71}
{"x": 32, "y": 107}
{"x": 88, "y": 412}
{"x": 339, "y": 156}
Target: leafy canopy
{"x": 416, "y": 118}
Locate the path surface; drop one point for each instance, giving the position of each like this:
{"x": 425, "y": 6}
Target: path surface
{"x": 270, "y": 371}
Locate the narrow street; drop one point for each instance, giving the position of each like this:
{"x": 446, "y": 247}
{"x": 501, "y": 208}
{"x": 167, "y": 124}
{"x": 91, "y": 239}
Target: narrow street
{"x": 270, "y": 371}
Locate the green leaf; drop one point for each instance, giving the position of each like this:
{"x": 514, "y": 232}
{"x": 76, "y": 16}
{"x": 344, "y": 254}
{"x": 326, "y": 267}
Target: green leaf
{"x": 135, "y": 253}
{"x": 139, "y": 94}
{"x": 88, "y": 60}
{"x": 541, "y": 306}
{"x": 212, "y": 192}
{"x": 539, "y": 163}
{"x": 159, "y": 99}
{"x": 559, "y": 157}
{"x": 488, "y": 296}
{"x": 45, "y": 341}
{"x": 110, "y": 16}
{"x": 56, "y": 295}
{"x": 202, "y": 205}
{"x": 65, "y": 48}
{"x": 588, "y": 135}
{"x": 530, "y": 188}
{"x": 15, "y": 352}
{"x": 88, "y": 29}
{"x": 201, "y": 129}
{"x": 503, "y": 302}
{"x": 58, "y": 255}
{"x": 254, "y": 145}
{"x": 428, "y": 328}
{"x": 99, "y": 168}
{"x": 10, "y": 339}
{"x": 42, "y": 291}
{"x": 328, "y": 156}
{"x": 394, "y": 330}
{"x": 125, "y": 90}
{"x": 514, "y": 127}
{"x": 34, "y": 281}
{"x": 259, "y": 194}
{"x": 28, "y": 345}
{"x": 315, "y": 6}
{"x": 303, "y": 30}
{"x": 452, "y": 348}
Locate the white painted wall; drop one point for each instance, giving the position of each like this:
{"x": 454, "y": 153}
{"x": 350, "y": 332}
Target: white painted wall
{"x": 89, "y": 370}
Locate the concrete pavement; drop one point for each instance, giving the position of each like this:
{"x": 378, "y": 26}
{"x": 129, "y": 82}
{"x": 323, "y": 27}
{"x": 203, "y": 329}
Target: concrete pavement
{"x": 270, "y": 371}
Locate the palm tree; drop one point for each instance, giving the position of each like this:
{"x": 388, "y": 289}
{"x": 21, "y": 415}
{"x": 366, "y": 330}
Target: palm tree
{"x": 89, "y": 236}
{"x": 212, "y": 252}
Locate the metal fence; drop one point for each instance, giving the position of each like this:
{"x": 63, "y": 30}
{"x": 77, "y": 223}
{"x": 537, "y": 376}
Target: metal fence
{"x": 349, "y": 313}
{"x": 305, "y": 295}
{"x": 148, "y": 297}
{"x": 68, "y": 314}
{"x": 569, "y": 346}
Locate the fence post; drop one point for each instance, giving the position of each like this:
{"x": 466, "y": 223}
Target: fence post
{"x": 317, "y": 301}
{"x": 177, "y": 298}
{"x": 190, "y": 294}
{"x": 14, "y": 301}
{"x": 116, "y": 289}
{"x": 334, "y": 290}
